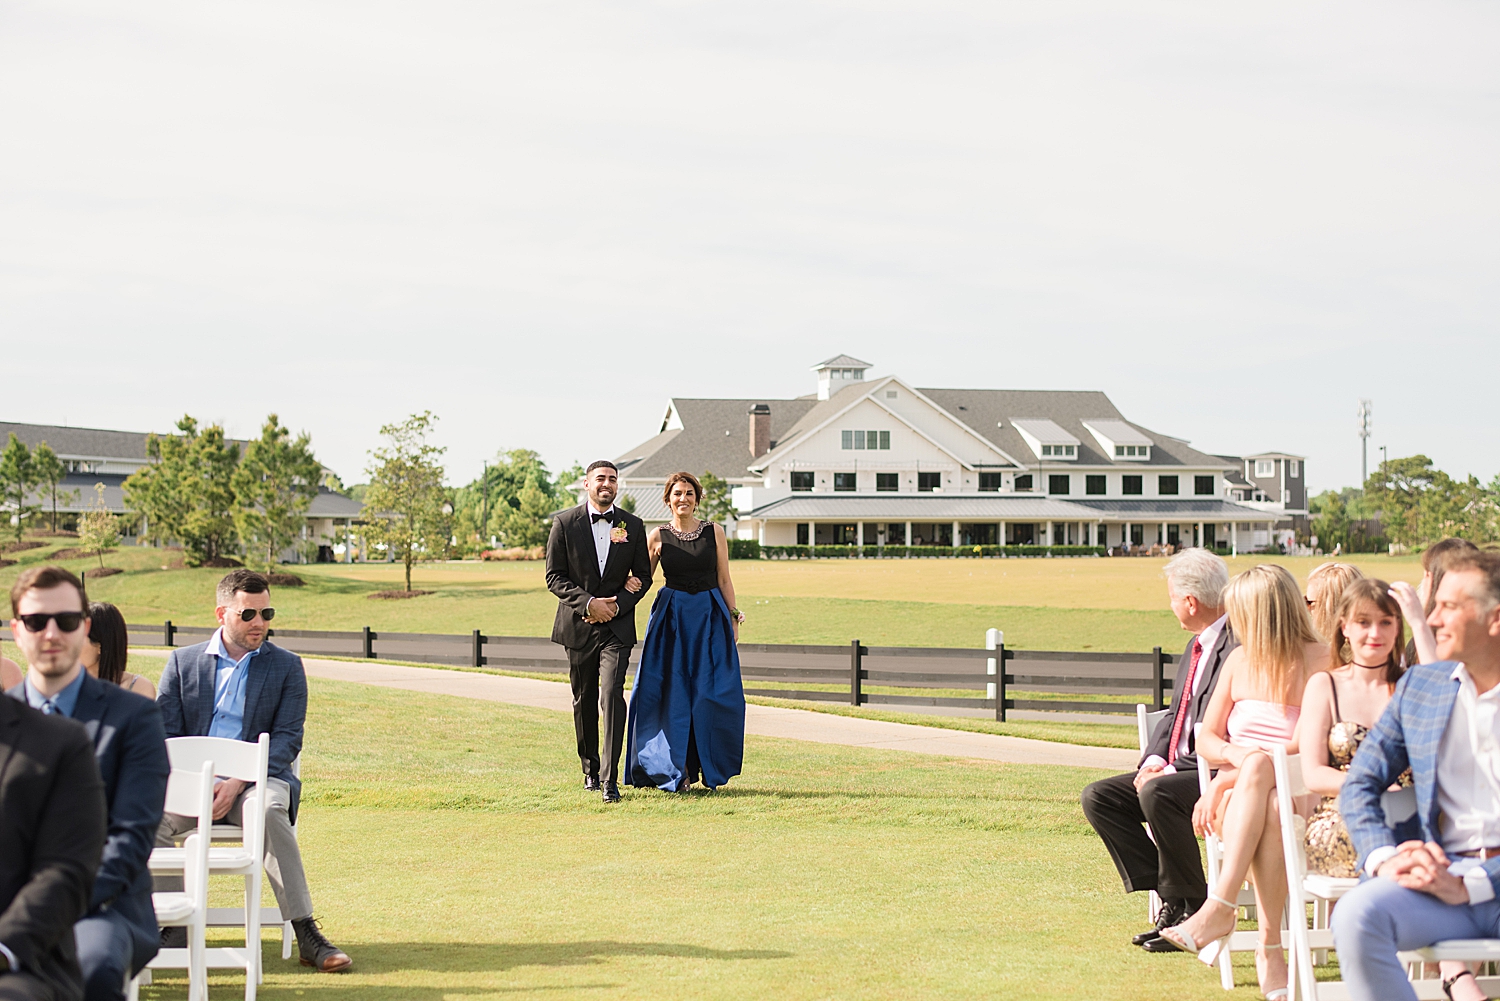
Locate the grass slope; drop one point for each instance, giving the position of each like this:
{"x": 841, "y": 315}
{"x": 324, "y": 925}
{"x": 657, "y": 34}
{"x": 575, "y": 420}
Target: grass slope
{"x": 453, "y": 854}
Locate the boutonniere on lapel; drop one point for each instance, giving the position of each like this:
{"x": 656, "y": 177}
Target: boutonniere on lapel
{"x": 618, "y": 533}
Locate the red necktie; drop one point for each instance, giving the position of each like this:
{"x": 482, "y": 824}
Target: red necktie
{"x": 1184, "y": 699}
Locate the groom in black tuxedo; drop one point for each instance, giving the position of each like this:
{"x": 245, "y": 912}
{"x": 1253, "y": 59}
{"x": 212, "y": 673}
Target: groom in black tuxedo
{"x": 591, "y": 551}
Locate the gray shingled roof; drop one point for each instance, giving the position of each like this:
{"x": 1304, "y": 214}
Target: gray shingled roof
{"x": 816, "y": 413}
{"x": 92, "y": 443}
{"x": 702, "y": 444}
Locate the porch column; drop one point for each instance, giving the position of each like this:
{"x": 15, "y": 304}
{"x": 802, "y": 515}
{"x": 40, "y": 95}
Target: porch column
{"x": 1048, "y": 538}
{"x": 760, "y": 532}
{"x": 955, "y": 540}
{"x": 1199, "y": 529}
{"x": 348, "y": 543}
{"x": 1002, "y": 533}
{"x": 1234, "y": 538}
{"x": 908, "y": 537}
{"x": 1164, "y": 533}
{"x": 859, "y": 535}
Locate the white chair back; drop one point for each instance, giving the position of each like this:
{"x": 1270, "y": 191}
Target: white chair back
{"x": 1290, "y": 783}
{"x": 1145, "y": 724}
{"x": 190, "y": 791}
{"x": 235, "y": 759}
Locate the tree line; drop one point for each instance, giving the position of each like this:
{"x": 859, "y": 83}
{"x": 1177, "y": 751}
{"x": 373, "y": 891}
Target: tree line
{"x": 1408, "y": 502}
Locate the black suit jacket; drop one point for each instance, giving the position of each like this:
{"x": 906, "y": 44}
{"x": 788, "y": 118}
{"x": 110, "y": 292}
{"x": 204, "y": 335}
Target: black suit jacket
{"x": 130, "y": 748}
{"x": 1162, "y": 736}
{"x": 275, "y": 703}
{"x": 51, "y": 836}
{"x": 573, "y": 575}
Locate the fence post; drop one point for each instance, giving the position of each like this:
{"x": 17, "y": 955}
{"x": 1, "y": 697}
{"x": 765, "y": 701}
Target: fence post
{"x": 478, "y": 648}
{"x": 856, "y": 658}
{"x": 992, "y": 640}
{"x": 369, "y": 639}
{"x": 1002, "y": 680}
{"x": 1158, "y": 682}
{"x": 168, "y": 633}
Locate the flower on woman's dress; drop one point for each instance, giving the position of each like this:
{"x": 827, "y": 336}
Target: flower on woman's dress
{"x": 618, "y": 533}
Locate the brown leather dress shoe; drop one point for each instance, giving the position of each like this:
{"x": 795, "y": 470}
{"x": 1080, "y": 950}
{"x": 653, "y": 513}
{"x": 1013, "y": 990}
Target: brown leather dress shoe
{"x": 316, "y": 951}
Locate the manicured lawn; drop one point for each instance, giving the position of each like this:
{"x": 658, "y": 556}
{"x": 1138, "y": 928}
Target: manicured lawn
{"x": 1067, "y": 604}
{"x": 453, "y": 854}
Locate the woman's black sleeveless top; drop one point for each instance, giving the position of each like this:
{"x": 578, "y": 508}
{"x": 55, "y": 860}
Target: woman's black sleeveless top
{"x": 690, "y": 565}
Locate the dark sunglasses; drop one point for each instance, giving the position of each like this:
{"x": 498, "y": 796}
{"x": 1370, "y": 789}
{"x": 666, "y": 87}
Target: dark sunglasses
{"x": 66, "y": 621}
{"x": 248, "y": 614}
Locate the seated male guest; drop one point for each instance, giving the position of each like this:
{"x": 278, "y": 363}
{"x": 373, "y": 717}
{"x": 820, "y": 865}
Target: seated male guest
{"x": 51, "y": 819}
{"x": 119, "y": 935}
{"x": 1164, "y": 788}
{"x": 1444, "y": 722}
{"x": 239, "y": 686}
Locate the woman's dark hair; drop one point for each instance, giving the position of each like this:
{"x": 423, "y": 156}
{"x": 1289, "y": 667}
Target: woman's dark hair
{"x": 107, "y": 628}
{"x": 1369, "y": 591}
{"x": 689, "y": 479}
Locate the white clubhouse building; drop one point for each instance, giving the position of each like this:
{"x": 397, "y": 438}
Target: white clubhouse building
{"x": 880, "y": 462}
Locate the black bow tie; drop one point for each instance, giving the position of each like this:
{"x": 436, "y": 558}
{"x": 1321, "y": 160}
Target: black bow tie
{"x": 608, "y": 516}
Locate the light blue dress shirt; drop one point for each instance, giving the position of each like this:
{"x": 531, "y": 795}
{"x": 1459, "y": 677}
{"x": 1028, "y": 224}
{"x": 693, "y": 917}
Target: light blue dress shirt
{"x": 64, "y": 702}
{"x": 229, "y": 690}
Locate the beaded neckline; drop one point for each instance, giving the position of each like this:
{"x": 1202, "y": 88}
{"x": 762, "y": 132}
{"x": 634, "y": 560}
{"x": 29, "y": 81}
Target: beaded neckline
{"x": 686, "y": 536}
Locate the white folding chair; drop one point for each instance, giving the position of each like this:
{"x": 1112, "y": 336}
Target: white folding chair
{"x": 1239, "y": 941}
{"x": 190, "y": 793}
{"x": 1311, "y": 945}
{"x": 1145, "y": 725}
{"x": 250, "y": 763}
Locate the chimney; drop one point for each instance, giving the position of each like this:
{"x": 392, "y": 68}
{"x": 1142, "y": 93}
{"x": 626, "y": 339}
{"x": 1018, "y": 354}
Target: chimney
{"x": 760, "y": 429}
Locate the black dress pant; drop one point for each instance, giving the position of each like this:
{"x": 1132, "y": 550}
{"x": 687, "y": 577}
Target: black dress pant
{"x": 597, "y": 672}
{"x": 1171, "y": 864}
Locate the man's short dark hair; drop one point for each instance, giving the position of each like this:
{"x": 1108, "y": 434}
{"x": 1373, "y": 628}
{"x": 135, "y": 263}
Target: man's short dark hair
{"x": 601, "y": 462}
{"x": 45, "y": 579}
{"x": 239, "y": 580}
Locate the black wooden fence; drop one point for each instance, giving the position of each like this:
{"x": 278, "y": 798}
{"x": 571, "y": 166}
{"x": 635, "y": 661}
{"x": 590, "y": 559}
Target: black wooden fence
{"x": 852, "y": 675}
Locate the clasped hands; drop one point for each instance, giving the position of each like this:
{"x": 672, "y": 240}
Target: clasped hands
{"x": 226, "y": 791}
{"x": 1424, "y": 866}
{"x": 604, "y": 609}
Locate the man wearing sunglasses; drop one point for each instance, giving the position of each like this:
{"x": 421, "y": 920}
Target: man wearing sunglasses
{"x": 239, "y": 686}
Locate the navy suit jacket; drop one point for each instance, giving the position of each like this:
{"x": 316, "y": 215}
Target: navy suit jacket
{"x": 275, "y": 703}
{"x": 130, "y": 748}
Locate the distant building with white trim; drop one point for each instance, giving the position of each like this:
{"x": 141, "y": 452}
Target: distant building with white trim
{"x": 878, "y": 461}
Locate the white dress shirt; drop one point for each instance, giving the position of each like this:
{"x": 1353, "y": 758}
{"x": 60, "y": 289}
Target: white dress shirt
{"x": 1208, "y": 640}
{"x": 1468, "y": 786}
{"x": 601, "y": 530}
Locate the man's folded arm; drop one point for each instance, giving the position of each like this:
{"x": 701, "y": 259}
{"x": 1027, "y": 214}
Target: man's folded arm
{"x": 558, "y": 582}
{"x": 640, "y": 565}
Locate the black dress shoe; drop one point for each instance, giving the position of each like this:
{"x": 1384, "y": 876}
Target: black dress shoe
{"x": 591, "y": 783}
{"x": 611, "y": 793}
{"x": 1172, "y": 912}
{"x": 174, "y": 937}
{"x": 1159, "y": 944}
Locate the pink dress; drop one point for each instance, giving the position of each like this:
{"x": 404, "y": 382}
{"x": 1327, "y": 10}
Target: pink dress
{"x": 1265, "y": 725}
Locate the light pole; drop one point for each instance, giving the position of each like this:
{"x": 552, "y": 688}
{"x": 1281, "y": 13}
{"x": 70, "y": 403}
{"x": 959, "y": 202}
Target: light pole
{"x": 1365, "y": 414}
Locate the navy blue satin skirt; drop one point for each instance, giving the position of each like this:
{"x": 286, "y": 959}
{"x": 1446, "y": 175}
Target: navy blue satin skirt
{"x": 687, "y": 705}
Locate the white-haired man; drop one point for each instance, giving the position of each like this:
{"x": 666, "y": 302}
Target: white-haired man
{"x": 1162, "y": 791}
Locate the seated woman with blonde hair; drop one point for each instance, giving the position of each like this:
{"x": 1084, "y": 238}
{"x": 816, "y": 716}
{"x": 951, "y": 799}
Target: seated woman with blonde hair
{"x": 1255, "y": 708}
{"x": 1325, "y": 592}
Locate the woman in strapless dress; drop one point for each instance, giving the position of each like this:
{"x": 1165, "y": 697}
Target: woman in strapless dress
{"x": 1255, "y": 708}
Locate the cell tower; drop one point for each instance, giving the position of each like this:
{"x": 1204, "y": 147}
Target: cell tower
{"x": 1366, "y": 412}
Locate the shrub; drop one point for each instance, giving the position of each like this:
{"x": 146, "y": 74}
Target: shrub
{"x": 744, "y": 549}
{"x": 515, "y": 553}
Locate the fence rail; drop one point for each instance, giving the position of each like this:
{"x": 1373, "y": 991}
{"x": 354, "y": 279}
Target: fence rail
{"x": 921, "y": 676}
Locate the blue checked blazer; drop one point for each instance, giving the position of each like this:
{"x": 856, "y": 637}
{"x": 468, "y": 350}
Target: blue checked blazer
{"x": 1407, "y": 735}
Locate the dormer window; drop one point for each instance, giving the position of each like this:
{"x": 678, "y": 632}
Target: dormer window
{"x": 1047, "y": 440}
{"x": 1060, "y": 451}
{"x": 1119, "y": 439}
{"x": 1132, "y": 451}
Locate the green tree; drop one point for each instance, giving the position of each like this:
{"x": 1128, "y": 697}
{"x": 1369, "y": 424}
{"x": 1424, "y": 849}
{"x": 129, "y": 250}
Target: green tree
{"x": 512, "y": 502}
{"x": 716, "y": 505}
{"x": 403, "y": 504}
{"x": 98, "y": 529}
{"x": 17, "y": 478}
{"x": 1330, "y": 520}
{"x": 187, "y": 492}
{"x": 529, "y": 521}
{"x": 273, "y": 485}
{"x": 48, "y": 471}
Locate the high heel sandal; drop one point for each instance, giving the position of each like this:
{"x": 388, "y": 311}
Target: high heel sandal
{"x": 1209, "y": 952}
{"x": 1280, "y": 993}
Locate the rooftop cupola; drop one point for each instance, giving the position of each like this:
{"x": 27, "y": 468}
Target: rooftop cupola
{"x": 838, "y": 372}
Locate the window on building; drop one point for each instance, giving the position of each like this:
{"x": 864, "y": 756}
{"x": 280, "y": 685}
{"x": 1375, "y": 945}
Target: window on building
{"x": 1093, "y": 484}
{"x": 890, "y": 394}
{"x": 928, "y": 482}
{"x": 1203, "y": 486}
{"x": 802, "y": 481}
{"x": 1059, "y": 484}
{"x": 989, "y": 483}
{"x": 845, "y": 482}
{"x": 887, "y": 483}
{"x": 1023, "y": 482}
{"x": 845, "y": 535}
{"x": 1293, "y": 468}
{"x": 1060, "y": 451}
{"x": 1130, "y": 484}
{"x": 863, "y": 440}
{"x": 1265, "y": 467}
{"x": 1166, "y": 485}
{"x": 802, "y": 534}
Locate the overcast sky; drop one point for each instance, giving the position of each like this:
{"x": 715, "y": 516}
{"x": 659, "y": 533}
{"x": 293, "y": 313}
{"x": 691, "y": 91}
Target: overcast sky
{"x": 542, "y": 220}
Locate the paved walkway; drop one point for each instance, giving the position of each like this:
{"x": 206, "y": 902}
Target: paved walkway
{"x": 764, "y": 721}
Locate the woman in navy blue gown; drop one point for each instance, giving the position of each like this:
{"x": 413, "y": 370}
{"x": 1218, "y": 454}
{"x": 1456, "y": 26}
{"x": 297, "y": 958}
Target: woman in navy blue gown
{"x": 687, "y": 705}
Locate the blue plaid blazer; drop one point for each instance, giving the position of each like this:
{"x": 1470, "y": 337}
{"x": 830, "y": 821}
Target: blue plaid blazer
{"x": 1407, "y": 735}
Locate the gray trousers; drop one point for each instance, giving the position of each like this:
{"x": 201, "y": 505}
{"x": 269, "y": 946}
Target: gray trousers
{"x": 283, "y": 858}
